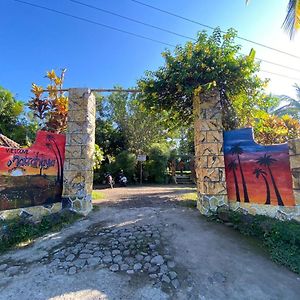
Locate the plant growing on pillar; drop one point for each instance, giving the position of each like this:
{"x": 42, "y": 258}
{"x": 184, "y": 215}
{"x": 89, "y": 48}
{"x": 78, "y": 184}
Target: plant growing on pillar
{"x": 232, "y": 166}
{"x": 260, "y": 172}
{"x": 50, "y": 110}
{"x": 237, "y": 150}
{"x": 267, "y": 161}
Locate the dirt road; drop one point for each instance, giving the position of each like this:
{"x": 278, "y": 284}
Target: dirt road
{"x": 141, "y": 244}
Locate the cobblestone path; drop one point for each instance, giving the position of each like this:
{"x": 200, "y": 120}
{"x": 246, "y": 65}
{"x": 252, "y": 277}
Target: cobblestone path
{"x": 141, "y": 244}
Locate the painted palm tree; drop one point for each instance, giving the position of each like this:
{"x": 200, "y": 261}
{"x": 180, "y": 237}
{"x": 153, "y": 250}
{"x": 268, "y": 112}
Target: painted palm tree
{"x": 237, "y": 150}
{"x": 267, "y": 161}
{"x": 260, "y": 172}
{"x": 50, "y": 147}
{"x": 51, "y": 139}
{"x": 291, "y": 22}
{"x": 232, "y": 166}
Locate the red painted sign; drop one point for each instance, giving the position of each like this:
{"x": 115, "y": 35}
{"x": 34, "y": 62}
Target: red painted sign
{"x": 32, "y": 176}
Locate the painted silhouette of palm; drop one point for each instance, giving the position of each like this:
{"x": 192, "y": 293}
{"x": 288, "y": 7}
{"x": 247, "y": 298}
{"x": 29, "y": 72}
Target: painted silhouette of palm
{"x": 260, "y": 172}
{"x": 232, "y": 166}
{"x": 267, "y": 161}
{"x": 51, "y": 139}
{"x": 50, "y": 147}
{"x": 237, "y": 150}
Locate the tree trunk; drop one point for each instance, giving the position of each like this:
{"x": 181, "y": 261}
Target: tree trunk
{"x": 237, "y": 192}
{"x": 268, "y": 199}
{"x": 246, "y": 197}
{"x": 279, "y": 199}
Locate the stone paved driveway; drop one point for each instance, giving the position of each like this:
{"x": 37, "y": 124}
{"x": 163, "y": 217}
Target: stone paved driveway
{"x": 141, "y": 244}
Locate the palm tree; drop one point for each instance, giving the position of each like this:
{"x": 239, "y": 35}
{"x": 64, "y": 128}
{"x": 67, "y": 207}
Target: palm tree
{"x": 232, "y": 166}
{"x": 260, "y": 172}
{"x": 291, "y": 22}
{"x": 237, "y": 150}
{"x": 291, "y": 108}
{"x": 267, "y": 161}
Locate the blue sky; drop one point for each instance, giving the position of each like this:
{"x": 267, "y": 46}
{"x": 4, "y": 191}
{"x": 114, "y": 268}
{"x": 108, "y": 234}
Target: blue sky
{"x": 33, "y": 41}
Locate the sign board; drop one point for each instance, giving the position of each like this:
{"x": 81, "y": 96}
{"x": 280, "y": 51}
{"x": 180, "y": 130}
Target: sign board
{"x": 141, "y": 157}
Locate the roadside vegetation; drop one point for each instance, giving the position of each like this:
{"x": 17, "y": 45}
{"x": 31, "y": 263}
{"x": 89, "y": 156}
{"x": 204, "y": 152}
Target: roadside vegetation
{"x": 20, "y": 231}
{"x": 281, "y": 239}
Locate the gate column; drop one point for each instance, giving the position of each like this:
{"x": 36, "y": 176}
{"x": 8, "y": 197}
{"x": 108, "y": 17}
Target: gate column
{"x": 79, "y": 151}
{"x": 209, "y": 160}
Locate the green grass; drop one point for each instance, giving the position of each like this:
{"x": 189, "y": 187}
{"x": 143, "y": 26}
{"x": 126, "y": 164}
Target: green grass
{"x": 20, "y": 232}
{"x": 188, "y": 200}
{"x": 96, "y": 195}
{"x": 281, "y": 239}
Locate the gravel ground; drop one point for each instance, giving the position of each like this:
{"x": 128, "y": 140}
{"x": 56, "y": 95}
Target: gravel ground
{"x": 141, "y": 244}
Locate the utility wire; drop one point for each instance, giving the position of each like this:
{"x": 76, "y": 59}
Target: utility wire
{"x": 277, "y": 74}
{"x": 93, "y": 22}
{"x": 167, "y": 31}
{"x": 120, "y": 30}
{"x": 210, "y": 27}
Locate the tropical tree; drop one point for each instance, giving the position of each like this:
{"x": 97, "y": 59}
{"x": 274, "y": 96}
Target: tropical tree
{"x": 13, "y": 121}
{"x": 232, "y": 166}
{"x": 292, "y": 20}
{"x": 260, "y": 172}
{"x": 210, "y": 62}
{"x": 267, "y": 161}
{"x": 291, "y": 106}
{"x": 52, "y": 109}
{"x": 139, "y": 126}
{"x": 237, "y": 150}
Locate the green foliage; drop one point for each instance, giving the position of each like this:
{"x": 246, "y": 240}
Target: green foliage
{"x": 280, "y": 238}
{"x": 270, "y": 129}
{"x": 10, "y": 112}
{"x": 212, "y": 61}
{"x": 156, "y": 166}
{"x": 290, "y": 106}
{"x": 18, "y": 230}
{"x": 98, "y": 157}
{"x": 125, "y": 161}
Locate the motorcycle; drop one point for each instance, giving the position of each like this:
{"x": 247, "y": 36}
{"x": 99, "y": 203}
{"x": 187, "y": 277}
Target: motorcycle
{"x": 123, "y": 181}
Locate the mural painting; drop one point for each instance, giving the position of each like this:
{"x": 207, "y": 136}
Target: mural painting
{"x": 257, "y": 173}
{"x": 32, "y": 176}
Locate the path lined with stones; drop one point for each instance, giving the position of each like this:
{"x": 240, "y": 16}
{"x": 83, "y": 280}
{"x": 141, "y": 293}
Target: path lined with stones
{"x": 142, "y": 245}
{"x": 135, "y": 249}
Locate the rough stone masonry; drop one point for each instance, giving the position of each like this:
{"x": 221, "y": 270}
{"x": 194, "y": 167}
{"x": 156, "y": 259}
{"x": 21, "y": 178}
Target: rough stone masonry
{"x": 79, "y": 151}
{"x": 209, "y": 162}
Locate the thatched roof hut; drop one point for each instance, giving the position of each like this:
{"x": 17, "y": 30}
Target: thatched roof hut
{"x": 6, "y": 142}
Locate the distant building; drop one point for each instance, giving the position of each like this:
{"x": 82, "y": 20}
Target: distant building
{"x": 6, "y": 142}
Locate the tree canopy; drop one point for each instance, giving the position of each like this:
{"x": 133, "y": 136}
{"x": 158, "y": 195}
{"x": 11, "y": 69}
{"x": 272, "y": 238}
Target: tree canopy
{"x": 211, "y": 61}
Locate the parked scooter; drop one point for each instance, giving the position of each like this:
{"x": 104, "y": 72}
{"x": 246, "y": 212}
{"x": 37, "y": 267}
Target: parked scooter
{"x": 123, "y": 180}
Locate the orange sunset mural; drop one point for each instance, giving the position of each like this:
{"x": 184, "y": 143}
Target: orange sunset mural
{"x": 257, "y": 173}
{"x": 32, "y": 176}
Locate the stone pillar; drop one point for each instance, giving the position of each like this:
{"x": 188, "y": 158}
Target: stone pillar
{"x": 79, "y": 151}
{"x": 294, "y": 152}
{"x": 209, "y": 157}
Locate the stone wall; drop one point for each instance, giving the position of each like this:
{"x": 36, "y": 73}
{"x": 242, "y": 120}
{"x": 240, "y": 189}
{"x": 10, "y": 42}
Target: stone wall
{"x": 79, "y": 151}
{"x": 294, "y": 151}
{"x": 209, "y": 158}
